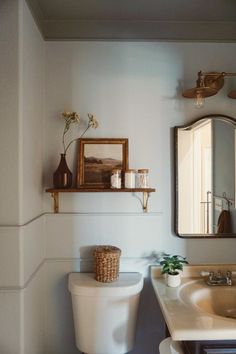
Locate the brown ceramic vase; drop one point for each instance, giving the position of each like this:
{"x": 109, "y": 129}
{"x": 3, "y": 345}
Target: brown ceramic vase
{"x": 62, "y": 177}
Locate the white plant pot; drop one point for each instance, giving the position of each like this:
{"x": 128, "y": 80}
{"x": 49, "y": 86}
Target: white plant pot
{"x": 173, "y": 280}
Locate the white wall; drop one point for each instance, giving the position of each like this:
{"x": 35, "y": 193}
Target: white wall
{"x": 9, "y": 98}
{"x": 21, "y": 221}
{"x": 134, "y": 90}
{"x": 31, "y": 113}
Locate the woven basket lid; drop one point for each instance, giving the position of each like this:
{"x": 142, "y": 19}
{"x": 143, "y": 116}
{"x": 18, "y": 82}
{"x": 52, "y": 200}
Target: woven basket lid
{"x": 107, "y": 249}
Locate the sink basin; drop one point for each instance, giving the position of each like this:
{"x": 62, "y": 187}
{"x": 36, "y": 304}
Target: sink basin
{"x": 215, "y": 300}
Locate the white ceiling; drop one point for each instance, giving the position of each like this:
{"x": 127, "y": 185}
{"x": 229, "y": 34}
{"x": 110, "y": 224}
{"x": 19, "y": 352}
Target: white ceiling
{"x": 183, "y": 20}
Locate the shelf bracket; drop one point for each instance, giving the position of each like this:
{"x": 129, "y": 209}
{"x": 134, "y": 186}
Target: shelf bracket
{"x": 55, "y": 196}
{"x": 145, "y": 201}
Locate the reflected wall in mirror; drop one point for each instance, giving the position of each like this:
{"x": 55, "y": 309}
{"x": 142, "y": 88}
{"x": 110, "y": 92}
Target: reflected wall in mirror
{"x": 205, "y": 177}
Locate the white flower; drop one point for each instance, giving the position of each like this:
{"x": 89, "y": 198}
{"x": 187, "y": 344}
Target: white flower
{"x": 74, "y": 117}
{"x": 93, "y": 123}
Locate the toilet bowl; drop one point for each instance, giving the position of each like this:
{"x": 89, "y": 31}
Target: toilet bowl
{"x": 105, "y": 313}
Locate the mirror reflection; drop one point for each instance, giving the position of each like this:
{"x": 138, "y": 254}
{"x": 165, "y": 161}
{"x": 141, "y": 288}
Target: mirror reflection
{"x": 205, "y": 177}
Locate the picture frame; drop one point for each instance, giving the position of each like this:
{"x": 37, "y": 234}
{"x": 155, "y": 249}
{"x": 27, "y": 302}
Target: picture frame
{"x": 97, "y": 158}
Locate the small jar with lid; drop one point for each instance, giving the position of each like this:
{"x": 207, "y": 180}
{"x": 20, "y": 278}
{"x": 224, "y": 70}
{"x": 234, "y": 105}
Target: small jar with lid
{"x": 116, "y": 178}
{"x": 142, "y": 178}
{"x": 130, "y": 176}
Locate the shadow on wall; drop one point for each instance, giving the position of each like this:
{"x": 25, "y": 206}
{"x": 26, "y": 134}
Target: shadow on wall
{"x": 150, "y": 324}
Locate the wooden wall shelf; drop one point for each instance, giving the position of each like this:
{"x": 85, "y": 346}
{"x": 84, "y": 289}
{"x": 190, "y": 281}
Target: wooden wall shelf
{"x": 55, "y": 194}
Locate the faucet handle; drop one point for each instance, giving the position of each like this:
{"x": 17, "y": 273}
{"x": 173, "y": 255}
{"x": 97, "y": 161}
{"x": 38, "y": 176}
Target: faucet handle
{"x": 207, "y": 274}
{"x": 211, "y": 276}
{"x": 229, "y": 277}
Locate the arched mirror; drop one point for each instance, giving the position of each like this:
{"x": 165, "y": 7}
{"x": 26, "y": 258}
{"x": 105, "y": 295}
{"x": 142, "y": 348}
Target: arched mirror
{"x": 205, "y": 177}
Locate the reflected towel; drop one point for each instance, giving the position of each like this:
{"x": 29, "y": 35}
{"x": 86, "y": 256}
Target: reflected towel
{"x": 224, "y": 223}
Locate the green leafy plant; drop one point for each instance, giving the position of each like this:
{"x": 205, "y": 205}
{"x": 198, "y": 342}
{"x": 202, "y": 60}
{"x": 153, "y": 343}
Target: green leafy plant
{"x": 171, "y": 264}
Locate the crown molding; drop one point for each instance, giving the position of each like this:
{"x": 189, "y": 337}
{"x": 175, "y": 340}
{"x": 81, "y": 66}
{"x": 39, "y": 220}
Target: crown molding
{"x": 132, "y": 30}
{"x": 139, "y": 30}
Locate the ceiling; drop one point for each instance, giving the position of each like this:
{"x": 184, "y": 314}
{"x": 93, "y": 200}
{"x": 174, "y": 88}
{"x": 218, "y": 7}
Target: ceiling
{"x": 167, "y": 20}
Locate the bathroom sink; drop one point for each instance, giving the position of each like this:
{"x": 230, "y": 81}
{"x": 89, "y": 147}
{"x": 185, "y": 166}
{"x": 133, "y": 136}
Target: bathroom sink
{"x": 194, "y": 310}
{"x": 214, "y": 300}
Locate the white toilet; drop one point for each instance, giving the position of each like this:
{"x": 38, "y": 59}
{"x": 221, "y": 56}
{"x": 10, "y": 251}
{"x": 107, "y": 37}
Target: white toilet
{"x": 168, "y": 346}
{"x": 105, "y": 313}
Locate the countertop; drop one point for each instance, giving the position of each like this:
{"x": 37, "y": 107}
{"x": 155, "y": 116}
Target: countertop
{"x": 184, "y": 322}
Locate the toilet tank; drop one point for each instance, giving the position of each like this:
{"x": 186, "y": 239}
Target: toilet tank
{"x": 105, "y": 313}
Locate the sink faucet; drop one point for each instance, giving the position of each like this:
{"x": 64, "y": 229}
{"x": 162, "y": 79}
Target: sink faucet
{"x": 218, "y": 278}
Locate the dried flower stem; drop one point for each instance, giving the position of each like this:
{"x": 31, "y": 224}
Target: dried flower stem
{"x": 65, "y": 149}
{"x": 73, "y": 117}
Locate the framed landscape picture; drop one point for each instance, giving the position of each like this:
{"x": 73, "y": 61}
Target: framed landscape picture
{"x": 97, "y": 158}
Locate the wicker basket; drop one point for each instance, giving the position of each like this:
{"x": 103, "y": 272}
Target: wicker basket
{"x": 107, "y": 262}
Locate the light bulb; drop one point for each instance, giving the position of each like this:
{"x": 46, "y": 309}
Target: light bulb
{"x": 199, "y": 101}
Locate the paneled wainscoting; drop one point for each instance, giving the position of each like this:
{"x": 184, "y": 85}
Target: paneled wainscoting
{"x": 35, "y": 259}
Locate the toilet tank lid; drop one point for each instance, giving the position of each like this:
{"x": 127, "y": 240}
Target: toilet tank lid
{"x": 85, "y": 284}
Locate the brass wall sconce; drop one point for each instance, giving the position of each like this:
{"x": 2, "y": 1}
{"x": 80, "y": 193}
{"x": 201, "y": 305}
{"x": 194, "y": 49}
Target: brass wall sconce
{"x": 208, "y": 84}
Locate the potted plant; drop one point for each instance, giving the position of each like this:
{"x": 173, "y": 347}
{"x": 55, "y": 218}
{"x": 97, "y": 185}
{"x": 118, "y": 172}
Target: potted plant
{"x": 172, "y": 265}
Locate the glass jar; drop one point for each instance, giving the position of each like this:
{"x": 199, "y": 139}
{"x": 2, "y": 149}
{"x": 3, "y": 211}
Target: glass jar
{"x": 116, "y": 178}
{"x": 130, "y": 176}
{"x": 142, "y": 178}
